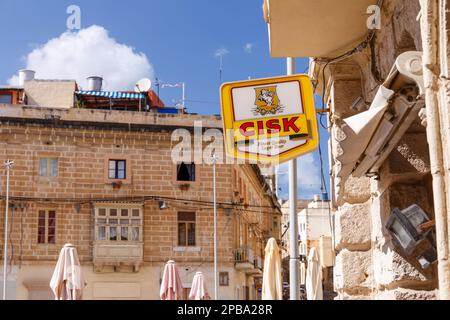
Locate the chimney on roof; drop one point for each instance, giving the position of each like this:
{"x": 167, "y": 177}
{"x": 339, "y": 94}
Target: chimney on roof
{"x": 94, "y": 83}
{"x": 25, "y": 75}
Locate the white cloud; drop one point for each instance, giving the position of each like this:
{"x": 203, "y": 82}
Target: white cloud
{"x": 88, "y": 52}
{"x": 221, "y": 52}
{"x": 248, "y": 47}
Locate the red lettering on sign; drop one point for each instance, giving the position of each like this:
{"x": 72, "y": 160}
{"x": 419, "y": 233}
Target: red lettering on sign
{"x": 273, "y": 126}
{"x": 244, "y": 127}
{"x": 263, "y": 127}
{"x": 290, "y": 123}
{"x": 260, "y": 127}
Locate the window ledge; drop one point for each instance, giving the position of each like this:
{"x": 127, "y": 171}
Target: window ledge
{"x": 185, "y": 182}
{"x": 187, "y": 249}
{"x": 121, "y": 182}
{"x": 46, "y": 245}
{"x": 41, "y": 179}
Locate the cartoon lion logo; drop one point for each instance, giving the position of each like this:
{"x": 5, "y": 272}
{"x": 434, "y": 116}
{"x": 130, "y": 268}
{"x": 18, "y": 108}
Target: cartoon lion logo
{"x": 267, "y": 101}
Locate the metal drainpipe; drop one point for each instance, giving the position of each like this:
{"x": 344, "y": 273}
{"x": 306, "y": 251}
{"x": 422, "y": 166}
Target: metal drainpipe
{"x": 430, "y": 39}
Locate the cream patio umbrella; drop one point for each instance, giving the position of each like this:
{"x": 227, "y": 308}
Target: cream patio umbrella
{"x": 171, "y": 287}
{"x": 198, "y": 289}
{"x": 67, "y": 281}
{"x": 272, "y": 284}
{"x": 302, "y": 273}
{"x": 314, "y": 289}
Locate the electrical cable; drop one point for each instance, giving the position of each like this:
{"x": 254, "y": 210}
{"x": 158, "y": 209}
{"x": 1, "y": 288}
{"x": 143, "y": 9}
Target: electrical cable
{"x": 202, "y": 101}
{"x": 322, "y": 174}
{"x": 245, "y": 210}
{"x": 323, "y": 186}
{"x": 135, "y": 199}
{"x": 199, "y": 203}
{"x": 346, "y": 55}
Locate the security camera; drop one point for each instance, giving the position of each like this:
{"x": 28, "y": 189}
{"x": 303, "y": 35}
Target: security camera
{"x": 370, "y": 136}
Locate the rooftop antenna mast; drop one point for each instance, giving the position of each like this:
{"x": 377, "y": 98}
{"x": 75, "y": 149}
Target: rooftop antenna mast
{"x": 183, "y": 84}
{"x": 219, "y": 54}
{"x": 157, "y": 85}
{"x": 183, "y": 88}
{"x": 220, "y": 67}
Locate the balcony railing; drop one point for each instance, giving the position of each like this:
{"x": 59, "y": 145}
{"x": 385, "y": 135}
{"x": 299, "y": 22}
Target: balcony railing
{"x": 244, "y": 254}
{"x": 258, "y": 263}
{"x": 245, "y": 259}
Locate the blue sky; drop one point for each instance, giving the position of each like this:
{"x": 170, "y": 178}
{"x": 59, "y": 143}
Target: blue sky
{"x": 179, "y": 40}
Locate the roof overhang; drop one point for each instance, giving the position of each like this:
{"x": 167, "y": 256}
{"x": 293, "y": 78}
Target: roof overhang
{"x": 11, "y": 88}
{"x": 315, "y": 28}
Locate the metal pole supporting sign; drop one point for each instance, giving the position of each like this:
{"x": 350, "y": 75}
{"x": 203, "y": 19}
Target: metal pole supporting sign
{"x": 294, "y": 287}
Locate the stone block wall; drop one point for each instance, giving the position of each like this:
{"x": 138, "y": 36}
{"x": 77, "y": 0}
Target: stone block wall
{"x": 353, "y": 272}
{"x": 368, "y": 264}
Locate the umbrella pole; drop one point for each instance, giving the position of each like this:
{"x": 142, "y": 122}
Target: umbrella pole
{"x": 294, "y": 287}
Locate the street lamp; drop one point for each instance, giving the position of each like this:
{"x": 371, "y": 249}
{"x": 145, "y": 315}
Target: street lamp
{"x": 162, "y": 205}
{"x": 8, "y": 166}
{"x": 214, "y": 161}
{"x": 406, "y": 228}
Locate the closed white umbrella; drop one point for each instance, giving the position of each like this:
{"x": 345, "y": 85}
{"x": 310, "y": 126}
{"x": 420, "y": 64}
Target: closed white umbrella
{"x": 302, "y": 273}
{"x": 198, "y": 289}
{"x": 67, "y": 281}
{"x": 314, "y": 289}
{"x": 171, "y": 287}
{"x": 272, "y": 284}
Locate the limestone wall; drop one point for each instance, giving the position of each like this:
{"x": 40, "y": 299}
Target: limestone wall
{"x": 368, "y": 265}
{"x": 50, "y": 93}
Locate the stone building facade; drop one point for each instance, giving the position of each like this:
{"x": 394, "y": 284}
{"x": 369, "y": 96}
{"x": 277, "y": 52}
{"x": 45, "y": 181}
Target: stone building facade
{"x": 104, "y": 181}
{"x": 368, "y": 263}
{"x": 389, "y": 54}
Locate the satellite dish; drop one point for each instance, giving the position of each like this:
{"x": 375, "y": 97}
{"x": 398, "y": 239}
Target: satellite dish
{"x": 143, "y": 85}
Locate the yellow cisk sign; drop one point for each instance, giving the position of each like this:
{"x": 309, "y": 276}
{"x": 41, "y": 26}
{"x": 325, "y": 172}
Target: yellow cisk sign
{"x": 270, "y": 120}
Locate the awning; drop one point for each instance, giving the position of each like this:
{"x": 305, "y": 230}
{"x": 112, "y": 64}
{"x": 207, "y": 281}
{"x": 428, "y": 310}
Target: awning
{"x": 112, "y": 94}
{"x": 365, "y": 140}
